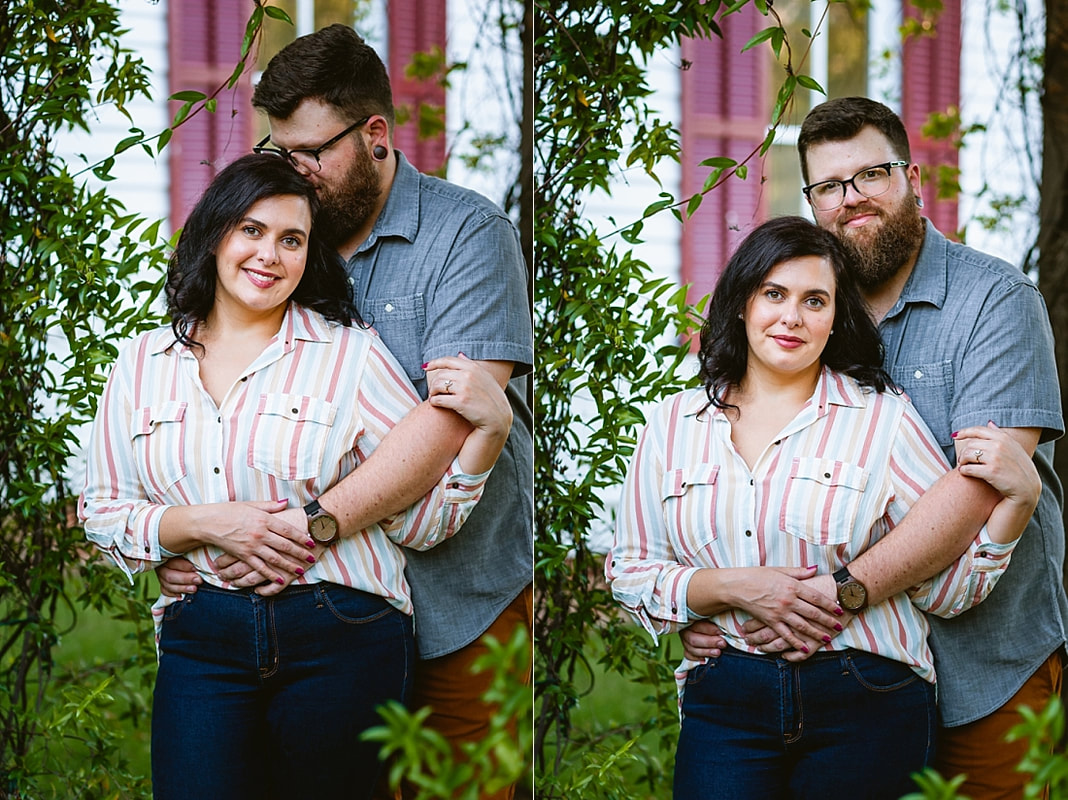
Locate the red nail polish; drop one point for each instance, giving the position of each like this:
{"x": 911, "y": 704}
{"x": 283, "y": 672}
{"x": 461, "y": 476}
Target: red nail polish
{"x": 953, "y": 435}
{"x": 301, "y": 572}
{"x": 280, "y": 582}
{"x": 311, "y": 559}
{"x": 424, "y": 365}
{"x": 309, "y": 543}
{"x": 838, "y": 611}
{"x": 838, "y": 626}
{"x": 827, "y": 639}
{"x": 804, "y": 649}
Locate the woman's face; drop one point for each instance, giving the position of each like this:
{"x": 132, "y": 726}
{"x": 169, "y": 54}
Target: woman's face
{"x": 789, "y": 318}
{"x": 261, "y": 260}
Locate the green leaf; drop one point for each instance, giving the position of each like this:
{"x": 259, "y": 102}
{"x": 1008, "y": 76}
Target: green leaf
{"x": 763, "y": 36}
{"x": 277, "y": 13}
{"x": 719, "y": 162}
{"x": 188, "y": 96}
{"x": 810, "y": 83}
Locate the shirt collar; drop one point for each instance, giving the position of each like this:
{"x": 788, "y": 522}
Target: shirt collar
{"x": 832, "y": 388}
{"x": 400, "y": 214}
{"x": 298, "y": 323}
{"x": 930, "y": 277}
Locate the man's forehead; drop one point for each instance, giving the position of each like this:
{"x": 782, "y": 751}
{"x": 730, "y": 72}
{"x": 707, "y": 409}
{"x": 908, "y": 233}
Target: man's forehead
{"x": 826, "y": 160}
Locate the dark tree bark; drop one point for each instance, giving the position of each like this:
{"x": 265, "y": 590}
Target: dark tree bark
{"x": 1053, "y": 205}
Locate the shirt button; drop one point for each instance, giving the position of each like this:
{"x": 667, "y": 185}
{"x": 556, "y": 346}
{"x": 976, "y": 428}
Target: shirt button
{"x": 826, "y": 475}
{"x": 454, "y": 486}
{"x": 147, "y": 550}
{"x": 917, "y": 374}
{"x": 674, "y": 610}
{"x": 295, "y": 410}
{"x": 748, "y": 533}
{"x": 389, "y": 307}
{"x": 750, "y": 481}
{"x": 216, "y": 470}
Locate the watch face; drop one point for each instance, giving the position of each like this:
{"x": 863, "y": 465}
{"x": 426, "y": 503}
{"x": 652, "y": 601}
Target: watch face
{"x": 852, "y": 596}
{"x": 323, "y": 528}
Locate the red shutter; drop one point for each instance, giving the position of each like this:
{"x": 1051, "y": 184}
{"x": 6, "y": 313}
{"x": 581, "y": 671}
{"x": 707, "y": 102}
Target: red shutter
{"x": 416, "y": 26}
{"x": 724, "y": 113}
{"x": 931, "y": 82}
{"x": 204, "y": 46}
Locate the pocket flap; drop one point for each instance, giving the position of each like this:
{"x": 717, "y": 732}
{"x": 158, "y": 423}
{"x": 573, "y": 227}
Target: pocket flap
{"x": 147, "y": 418}
{"x": 298, "y": 408}
{"x": 676, "y": 481}
{"x": 830, "y": 473}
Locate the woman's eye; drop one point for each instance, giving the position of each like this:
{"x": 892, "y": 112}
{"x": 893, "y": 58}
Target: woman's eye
{"x": 291, "y": 241}
{"x": 250, "y": 230}
{"x": 771, "y": 294}
{"x": 816, "y": 302}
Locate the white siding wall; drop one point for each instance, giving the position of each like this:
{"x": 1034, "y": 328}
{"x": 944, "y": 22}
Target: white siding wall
{"x": 998, "y": 156}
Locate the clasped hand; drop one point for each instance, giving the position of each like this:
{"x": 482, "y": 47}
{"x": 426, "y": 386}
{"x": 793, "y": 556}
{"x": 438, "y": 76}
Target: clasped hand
{"x": 792, "y": 614}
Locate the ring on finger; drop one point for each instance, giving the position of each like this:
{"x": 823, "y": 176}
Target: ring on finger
{"x": 448, "y": 387}
{"x": 978, "y": 456}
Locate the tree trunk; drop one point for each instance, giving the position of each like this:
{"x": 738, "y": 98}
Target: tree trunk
{"x": 1053, "y": 206}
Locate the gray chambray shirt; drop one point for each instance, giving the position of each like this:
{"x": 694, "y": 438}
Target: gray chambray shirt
{"x": 442, "y": 273}
{"x": 969, "y": 341}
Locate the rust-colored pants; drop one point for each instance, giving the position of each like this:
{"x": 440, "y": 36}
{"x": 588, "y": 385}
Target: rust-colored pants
{"x": 979, "y": 749}
{"x": 448, "y": 686}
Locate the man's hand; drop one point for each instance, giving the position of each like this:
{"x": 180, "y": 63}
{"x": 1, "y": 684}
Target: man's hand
{"x": 177, "y": 576}
{"x": 702, "y": 640}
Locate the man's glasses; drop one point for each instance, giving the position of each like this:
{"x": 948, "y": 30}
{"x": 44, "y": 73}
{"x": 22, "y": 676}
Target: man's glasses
{"x": 870, "y": 182}
{"x": 306, "y": 159}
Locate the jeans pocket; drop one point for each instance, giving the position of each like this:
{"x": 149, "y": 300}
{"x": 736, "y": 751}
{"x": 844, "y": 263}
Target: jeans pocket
{"x": 878, "y": 674}
{"x": 353, "y": 606}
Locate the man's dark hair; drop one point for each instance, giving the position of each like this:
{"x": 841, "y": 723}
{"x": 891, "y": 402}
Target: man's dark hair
{"x": 855, "y": 348}
{"x": 845, "y": 117}
{"x": 192, "y": 272}
{"x": 333, "y": 65}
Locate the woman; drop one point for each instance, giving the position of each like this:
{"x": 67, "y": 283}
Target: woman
{"x": 262, "y": 392}
{"x": 794, "y": 457}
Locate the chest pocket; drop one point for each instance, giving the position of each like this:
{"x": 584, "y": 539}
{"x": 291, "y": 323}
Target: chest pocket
{"x": 822, "y": 500}
{"x": 289, "y": 436}
{"x": 689, "y": 499}
{"x": 930, "y": 387}
{"x": 401, "y": 322}
{"x": 157, "y": 434}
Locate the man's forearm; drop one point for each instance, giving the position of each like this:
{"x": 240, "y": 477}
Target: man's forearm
{"x": 935, "y": 532}
{"x": 401, "y": 470}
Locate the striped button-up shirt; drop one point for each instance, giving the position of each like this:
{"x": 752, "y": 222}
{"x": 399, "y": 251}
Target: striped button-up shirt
{"x": 305, "y": 413}
{"x": 836, "y": 479}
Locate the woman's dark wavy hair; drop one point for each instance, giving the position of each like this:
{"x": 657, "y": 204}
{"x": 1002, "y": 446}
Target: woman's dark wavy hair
{"x": 192, "y": 273}
{"x": 855, "y": 348}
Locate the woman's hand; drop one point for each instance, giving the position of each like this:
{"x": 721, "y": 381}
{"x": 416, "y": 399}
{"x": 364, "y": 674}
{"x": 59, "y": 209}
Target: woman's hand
{"x": 464, "y": 386}
{"x": 780, "y": 597}
{"x": 253, "y": 532}
{"x": 994, "y": 456}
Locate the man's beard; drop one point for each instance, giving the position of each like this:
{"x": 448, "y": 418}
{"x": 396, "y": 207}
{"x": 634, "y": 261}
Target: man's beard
{"x": 346, "y": 207}
{"x": 879, "y": 256}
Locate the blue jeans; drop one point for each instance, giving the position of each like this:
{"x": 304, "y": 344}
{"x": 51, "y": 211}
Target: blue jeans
{"x": 842, "y": 724}
{"x": 266, "y": 697}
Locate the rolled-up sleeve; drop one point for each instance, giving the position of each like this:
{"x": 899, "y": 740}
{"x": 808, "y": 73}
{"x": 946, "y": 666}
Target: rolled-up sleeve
{"x": 118, "y": 517}
{"x": 642, "y": 568}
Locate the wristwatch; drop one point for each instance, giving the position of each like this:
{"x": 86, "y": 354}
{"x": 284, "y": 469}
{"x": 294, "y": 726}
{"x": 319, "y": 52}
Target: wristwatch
{"x": 852, "y": 596}
{"x": 321, "y": 526}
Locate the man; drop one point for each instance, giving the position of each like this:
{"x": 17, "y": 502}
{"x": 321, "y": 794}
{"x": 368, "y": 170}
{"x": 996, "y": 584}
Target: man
{"x": 968, "y": 339}
{"x": 437, "y": 271}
